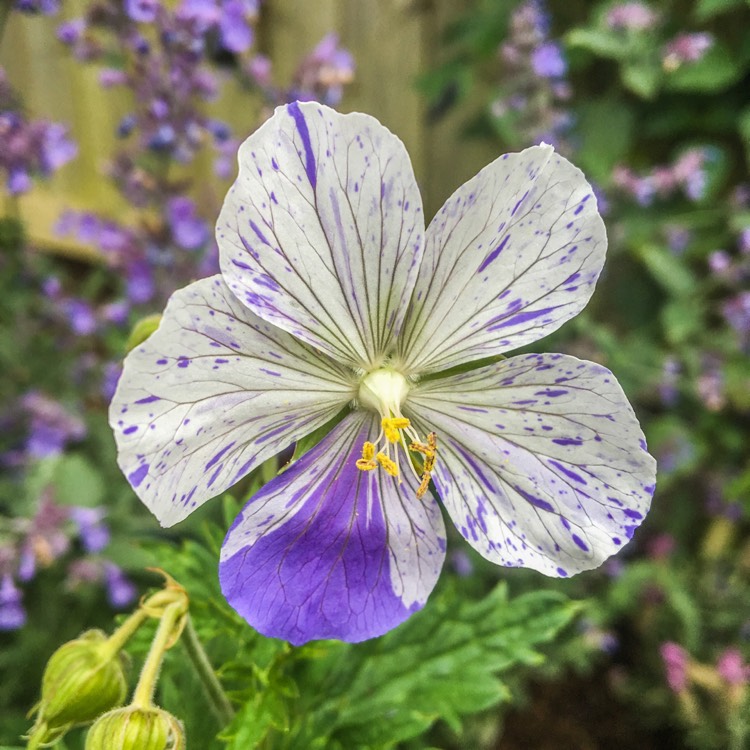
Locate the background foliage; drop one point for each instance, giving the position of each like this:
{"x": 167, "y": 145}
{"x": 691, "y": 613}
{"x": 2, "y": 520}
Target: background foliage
{"x": 651, "y": 651}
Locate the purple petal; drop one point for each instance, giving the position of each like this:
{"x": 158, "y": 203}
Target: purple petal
{"x": 210, "y": 395}
{"x": 541, "y": 461}
{"x": 328, "y": 551}
{"x": 322, "y": 233}
{"x": 512, "y": 255}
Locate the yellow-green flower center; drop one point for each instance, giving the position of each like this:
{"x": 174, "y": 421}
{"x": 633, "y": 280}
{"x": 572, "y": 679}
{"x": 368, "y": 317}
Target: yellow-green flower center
{"x": 384, "y": 391}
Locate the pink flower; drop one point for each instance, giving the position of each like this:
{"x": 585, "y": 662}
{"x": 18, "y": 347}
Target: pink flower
{"x": 675, "y": 660}
{"x": 732, "y": 667}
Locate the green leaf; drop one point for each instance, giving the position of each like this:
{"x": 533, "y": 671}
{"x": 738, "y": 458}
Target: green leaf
{"x": 706, "y": 9}
{"x": 77, "y": 482}
{"x": 667, "y": 270}
{"x": 606, "y": 127}
{"x": 714, "y": 71}
{"x": 743, "y": 126}
{"x": 604, "y": 43}
{"x": 682, "y": 320}
{"x": 444, "y": 663}
{"x": 642, "y": 78}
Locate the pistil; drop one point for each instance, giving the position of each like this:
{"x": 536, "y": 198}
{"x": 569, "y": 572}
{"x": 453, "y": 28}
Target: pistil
{"x": 384, "y": 391}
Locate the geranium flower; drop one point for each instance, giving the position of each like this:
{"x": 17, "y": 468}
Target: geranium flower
{"x": 333, "y": 299}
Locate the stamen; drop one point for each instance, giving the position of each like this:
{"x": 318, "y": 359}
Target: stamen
{"x": 367, "y": 462}
{"x": 423, "y": 487}
{"x": 391, "y": 427}
{"x": 389, "y": 465}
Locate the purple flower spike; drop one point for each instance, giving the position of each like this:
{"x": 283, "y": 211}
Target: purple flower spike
{"x": 93, "y": 532}
{"x": 12, "y": 613}
{"x": 332, "y": 298}
{"x": 142, "y": 11}
{"x": 121, "y": 592}
{"x": 548, "y": 61}
{"x": 189, "y": 231}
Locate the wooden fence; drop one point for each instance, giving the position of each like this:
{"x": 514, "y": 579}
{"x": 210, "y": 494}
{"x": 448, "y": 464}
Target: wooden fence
{"x": 392, "y": 41}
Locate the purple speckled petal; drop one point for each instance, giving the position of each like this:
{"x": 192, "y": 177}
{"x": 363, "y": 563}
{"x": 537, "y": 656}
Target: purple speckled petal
{"x": 210, "y": 395}
{"x": 541, "y": 461}
{"x": 328, "y": 551}
{"x": 322, "y": 233}
{"x": 512, "y": 255}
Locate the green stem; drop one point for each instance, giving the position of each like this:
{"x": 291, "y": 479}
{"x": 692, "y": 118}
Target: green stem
{"x": 123, "y": 634}
{"x": 214, "y": 692}
{"x": 144, "y": 691}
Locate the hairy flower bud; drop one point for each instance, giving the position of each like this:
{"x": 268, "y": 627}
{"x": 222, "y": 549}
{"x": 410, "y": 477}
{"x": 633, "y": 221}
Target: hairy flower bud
{"x": 82, "y": 680}
{"x": 134, "y": 728}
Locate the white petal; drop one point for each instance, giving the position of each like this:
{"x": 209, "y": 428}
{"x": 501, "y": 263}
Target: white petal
{"x": 541, "y": 461}
{"x": 328, "y": 551}
{"x": 212, "y": 393}
{"x": 323, "y": 232}
{"x": 512, "y": 255}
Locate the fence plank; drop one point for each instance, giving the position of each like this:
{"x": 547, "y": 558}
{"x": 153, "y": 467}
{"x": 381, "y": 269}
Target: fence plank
{"x": 392, "y": 41}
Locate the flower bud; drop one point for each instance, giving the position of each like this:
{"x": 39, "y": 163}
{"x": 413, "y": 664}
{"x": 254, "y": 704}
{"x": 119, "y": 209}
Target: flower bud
{"x": 134, "y": 728}
{"x": 141, "y": 331}
{"x": 82, "y": 679}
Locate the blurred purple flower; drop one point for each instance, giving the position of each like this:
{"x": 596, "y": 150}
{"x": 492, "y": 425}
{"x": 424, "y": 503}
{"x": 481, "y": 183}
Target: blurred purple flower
{"x": 548, "y": 62}
{"x": 732, "y": 668}
{"x": 670, "y": 375}
{"x": 110, "y": 77}
{"x": 45, "y": 7}
{"x": 28, "y": 147}
{"x": 322, "y": 75}
{"x": 736, "y": 311}
{"x": 52, "y": 426}
{"x": 686, "y": 48}
{"x": 633, "y": 16}
{"x": 461, "y": 562}
{"x": 116, "y": 312}
{"x": 141, "y": 287}
{"x": 81, "y": 317}
{"x": 12, "y": 613}
{"x": 675, "y": 660}
{"x": 92, "y": 531}
{"x": 71, "y": 32}
{"x": 58, "y": 149}
{"x": 189, "y": 231}
{"x": 121, "y": 592}
{"x": 110, "y": 377}
{"x": 678, "y": 238}
{"x": 259, "y": 70}
{"x": 142, "y": 11}
{"x": 47, "y": 536}
{"x": 236, "y": 32}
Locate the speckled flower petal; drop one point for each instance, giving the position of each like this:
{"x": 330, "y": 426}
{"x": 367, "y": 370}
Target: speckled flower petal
{"x": 541, "y": 461}
{"x": 512, "y": 255}
{"x": 328, "y": 551}
{"x": 323, "y": 232}
{"x": 215, "y": 391}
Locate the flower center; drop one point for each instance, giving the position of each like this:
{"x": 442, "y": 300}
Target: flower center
{"x": 383, "y": 391}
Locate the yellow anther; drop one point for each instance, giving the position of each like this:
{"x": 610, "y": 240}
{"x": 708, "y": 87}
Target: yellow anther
{"x": 368, "y": 451}
{"x": 425, "y": 484}
{"x": 429, "y": 463}
{"x": 387, "y": 464}
{"x": 420, "y": 448}
{"x": 391, "y": 427}
{"x": 432, "y": 440}
{"x": 364, "y": 464}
